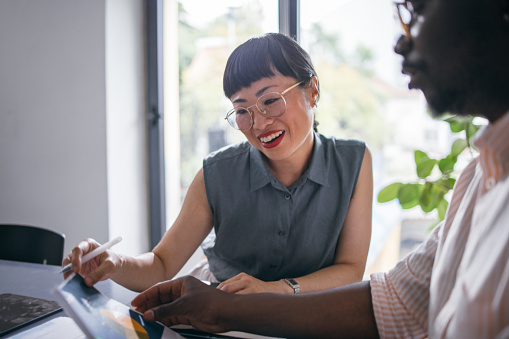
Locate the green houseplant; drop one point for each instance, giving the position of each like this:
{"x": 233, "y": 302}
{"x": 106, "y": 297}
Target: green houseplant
{"x": 436, "y": 177}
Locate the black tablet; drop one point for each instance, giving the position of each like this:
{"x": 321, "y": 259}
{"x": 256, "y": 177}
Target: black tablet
{"x": 17, "y": 311}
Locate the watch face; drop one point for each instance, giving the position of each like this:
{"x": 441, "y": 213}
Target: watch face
{"x": 293, "y": 284}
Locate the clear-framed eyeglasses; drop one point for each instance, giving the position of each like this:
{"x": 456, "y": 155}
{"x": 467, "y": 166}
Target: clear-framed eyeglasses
{"x": 405, "y": 12}
{"x": 271, "y": 105}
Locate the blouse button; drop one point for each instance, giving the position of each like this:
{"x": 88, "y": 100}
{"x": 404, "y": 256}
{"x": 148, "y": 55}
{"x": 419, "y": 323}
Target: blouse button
{"x": 281, "y": 233}
{"x": 287, "y": 196}
{"x": 273, "y": 266}
{"x": 490, "y": 182}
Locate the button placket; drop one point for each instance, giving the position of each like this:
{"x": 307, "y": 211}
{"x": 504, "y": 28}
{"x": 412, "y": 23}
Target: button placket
{"x": 490, "y": 182}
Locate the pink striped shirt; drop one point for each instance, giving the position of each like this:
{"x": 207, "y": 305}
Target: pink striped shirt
{"x": 456, "y": 284}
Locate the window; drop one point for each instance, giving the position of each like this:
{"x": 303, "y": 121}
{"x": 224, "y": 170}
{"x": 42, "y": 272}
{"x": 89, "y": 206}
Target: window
{"x": 199, "y": 37}
{"x": 363, "y": 95}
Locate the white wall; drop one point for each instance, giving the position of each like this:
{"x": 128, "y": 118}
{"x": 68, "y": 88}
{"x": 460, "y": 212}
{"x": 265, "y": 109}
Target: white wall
{"x": 72, "y": 134}
{"x": 126, "y": 124}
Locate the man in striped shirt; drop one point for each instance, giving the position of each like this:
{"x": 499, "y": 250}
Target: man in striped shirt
{"x": 456, "y": 284}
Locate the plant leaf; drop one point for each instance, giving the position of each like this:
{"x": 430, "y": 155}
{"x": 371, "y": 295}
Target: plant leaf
{"x": 424, "y": 168}
{"x": 428, "y": 198}
{"x": 442, "y": 208}
{"x": 472, "y": 130}
{"x": 456, "y": 123}
{"x": 408, "y": 195}
{"x": 458, "y": 146}
{"x": 451, "y": 182}
{"x": 424, "y": 165}
{"x": 446, "y": 164}
{"x": 389, "y": 192}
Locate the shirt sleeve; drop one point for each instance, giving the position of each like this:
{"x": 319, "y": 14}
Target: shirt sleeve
{"x": 401, "y": 296}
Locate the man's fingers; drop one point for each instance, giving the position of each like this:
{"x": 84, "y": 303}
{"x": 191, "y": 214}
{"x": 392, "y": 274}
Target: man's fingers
{"x": 182, "y": 301}
{"x": 162, "y": 313}
{"x": 158, "y": 294}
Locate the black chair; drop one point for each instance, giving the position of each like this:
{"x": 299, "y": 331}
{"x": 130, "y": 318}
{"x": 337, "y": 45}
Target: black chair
{"x": 31, "y": 244}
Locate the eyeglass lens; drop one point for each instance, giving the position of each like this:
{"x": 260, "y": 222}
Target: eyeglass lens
{"x": 405, "y": 12}
{"x": 269, "y": 104}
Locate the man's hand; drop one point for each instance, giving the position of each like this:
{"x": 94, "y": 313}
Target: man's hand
{"x": 185, "y": 301}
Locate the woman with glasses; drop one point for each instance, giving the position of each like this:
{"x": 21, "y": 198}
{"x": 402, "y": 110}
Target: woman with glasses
{"x": 290, "y": 208}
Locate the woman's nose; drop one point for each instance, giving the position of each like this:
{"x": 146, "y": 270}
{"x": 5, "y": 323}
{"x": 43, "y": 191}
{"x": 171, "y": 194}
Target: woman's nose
{"x": 403, "y": 45}
{"x": 260, "y": 121}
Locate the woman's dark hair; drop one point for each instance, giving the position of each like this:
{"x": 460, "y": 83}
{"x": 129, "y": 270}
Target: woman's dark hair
{"x": 261, "y": 56}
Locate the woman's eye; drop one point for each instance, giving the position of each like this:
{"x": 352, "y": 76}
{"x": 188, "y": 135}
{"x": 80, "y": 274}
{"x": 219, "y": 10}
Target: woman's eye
{"x": 270, "y": 101}
{"x": 241, "y": 111}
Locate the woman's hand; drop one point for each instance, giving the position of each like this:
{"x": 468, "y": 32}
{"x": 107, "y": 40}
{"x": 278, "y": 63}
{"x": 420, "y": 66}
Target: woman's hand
{"x": 243, "y": 283}
{"x": 96, "y": 269}
{"x": 185, "y": 301}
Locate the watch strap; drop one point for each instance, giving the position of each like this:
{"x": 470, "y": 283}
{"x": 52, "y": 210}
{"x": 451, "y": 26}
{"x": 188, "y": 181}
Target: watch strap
{"x": 293, "y": 284}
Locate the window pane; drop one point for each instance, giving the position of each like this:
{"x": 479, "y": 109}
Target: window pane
{"x": 365, "y": 96}
{"x": 208, "y": 31}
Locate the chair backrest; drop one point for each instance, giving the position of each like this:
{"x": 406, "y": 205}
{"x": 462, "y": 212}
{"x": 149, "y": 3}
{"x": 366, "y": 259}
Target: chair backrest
{"x": 31, "y": 244}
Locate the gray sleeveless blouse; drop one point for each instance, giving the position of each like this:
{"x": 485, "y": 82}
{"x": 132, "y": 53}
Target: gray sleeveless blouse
{"x": 267, "y": 230}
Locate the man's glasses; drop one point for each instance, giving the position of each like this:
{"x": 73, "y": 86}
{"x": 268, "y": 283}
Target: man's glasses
{"x": 271, "y": 105}
{"x": 405, "y": 12}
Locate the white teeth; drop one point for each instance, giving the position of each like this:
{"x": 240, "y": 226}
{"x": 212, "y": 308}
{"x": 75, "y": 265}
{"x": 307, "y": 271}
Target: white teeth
{"x": 271, "y": 137}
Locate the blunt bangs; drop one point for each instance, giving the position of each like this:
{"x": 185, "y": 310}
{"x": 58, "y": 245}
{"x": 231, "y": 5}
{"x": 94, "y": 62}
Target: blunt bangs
{"x": 261, "y": 57}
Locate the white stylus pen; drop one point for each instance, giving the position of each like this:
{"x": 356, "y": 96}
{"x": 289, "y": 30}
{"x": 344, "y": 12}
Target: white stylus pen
{"x": 94, "y": 253}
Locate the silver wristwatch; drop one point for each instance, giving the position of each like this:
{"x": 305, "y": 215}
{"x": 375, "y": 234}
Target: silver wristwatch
{"x": 293, "y": 284}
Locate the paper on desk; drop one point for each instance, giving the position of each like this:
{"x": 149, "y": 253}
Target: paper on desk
{"x": 61, "y": 327}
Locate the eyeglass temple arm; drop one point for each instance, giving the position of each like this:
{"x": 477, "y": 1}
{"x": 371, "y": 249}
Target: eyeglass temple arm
{"x": 288, "y": 89}
{"x": 405, "y": 26}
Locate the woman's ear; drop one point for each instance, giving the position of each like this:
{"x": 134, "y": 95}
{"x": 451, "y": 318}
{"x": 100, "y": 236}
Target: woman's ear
{"x": 315, "y": 92}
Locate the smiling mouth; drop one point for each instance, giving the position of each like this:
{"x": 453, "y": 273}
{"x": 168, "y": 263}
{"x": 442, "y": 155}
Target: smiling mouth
{"x": 409, "y": 70}
{"x": 271, "y": 138}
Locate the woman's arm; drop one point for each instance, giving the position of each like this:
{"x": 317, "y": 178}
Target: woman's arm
{"x": 167, "y": 258}
{"x": 351, "y": 254}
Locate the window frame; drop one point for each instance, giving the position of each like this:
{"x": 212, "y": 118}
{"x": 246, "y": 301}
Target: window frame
{"x": 155, "y": 121}
{"x": 289, "y": 23}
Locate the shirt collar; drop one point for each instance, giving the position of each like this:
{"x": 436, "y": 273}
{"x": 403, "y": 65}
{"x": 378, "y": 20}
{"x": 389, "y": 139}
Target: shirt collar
{"x": 493, "y": 145}
{"x": 317, "y": 171}
{"x": 319, "y": 166}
